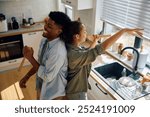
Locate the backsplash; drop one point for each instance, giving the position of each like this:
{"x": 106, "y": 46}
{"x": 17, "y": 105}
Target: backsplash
{"x": 37, "y": 9}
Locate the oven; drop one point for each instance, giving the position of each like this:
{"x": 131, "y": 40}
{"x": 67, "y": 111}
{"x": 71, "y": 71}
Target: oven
{"x": 11, "y": 48}
{"x": 10, "y": 51}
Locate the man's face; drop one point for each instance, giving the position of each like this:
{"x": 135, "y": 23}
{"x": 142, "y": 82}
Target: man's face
{"x": 52, "y": 30}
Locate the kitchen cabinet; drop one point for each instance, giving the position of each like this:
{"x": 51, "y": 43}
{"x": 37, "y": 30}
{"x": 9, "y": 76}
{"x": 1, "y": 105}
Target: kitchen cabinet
{"x": 79, "y": 4}
{"x": 33, "y": 40}
{"x": 8, "y": 0}
{"x": 97, "y": 92}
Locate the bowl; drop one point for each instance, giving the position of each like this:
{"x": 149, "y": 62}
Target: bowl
{"x": 127, "y": 81}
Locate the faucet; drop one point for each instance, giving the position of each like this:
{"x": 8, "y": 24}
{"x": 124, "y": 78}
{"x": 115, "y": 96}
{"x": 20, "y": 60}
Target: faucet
{"x": 137, "y": 60}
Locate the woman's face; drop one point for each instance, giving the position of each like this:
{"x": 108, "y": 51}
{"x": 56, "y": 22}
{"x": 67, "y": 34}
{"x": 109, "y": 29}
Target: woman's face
{"x": 51, "y": 29}
{"x": 83, "y": 34}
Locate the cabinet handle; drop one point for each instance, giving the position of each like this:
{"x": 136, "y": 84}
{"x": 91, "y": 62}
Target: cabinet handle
{"x": 32, "y": 33}
{"x": 100, "y": 89}
{"x": 68, "y": 2}
{"x": 12, "y": 61}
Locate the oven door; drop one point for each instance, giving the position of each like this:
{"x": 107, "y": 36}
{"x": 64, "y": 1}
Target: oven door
{"x": 10, "y": 50}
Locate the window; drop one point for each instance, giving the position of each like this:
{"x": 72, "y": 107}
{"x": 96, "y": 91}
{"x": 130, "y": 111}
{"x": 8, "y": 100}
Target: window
{"x": 128, "y": 13}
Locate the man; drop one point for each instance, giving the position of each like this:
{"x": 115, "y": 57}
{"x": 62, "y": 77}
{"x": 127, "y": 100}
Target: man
{"x": 52, "y": 63}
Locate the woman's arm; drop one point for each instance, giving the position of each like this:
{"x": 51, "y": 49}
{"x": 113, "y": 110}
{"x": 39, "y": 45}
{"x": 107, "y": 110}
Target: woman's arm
{"x": 111, "y": 40}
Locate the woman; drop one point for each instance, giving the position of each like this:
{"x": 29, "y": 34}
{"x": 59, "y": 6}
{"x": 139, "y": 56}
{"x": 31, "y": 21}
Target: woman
{"x": 79, "y": 60}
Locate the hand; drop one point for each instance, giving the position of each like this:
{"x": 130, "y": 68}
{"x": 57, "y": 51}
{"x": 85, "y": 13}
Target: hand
{"x": 146, "y": 78}
{"x": 134, "y": 31}
{"x": 94, "y": 37}
{"x": 28, "y": 52}
{"x": 23, "y": 81}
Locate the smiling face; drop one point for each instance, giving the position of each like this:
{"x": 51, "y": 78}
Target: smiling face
{"x": 51, "y": 29}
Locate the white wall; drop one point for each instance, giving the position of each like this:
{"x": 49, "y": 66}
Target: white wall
{"x": 97, "y": 24}
{"x": 38, "y": 9}
{"x": 85, "y": 16}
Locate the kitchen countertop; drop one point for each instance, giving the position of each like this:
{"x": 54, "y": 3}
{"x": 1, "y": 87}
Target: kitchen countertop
{"x": 105, "y": 59}
{"x": 33, "y": 28}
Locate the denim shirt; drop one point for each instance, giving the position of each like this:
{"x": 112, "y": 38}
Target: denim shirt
{"x": 53, "y": 68}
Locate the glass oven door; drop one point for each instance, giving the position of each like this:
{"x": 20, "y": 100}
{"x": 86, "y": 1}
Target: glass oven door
{"x": 11, "y": 48}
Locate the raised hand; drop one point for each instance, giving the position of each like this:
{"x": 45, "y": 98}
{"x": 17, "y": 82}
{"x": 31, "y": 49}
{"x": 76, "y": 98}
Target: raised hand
{"x": 134, "y": 31}
{"x": 28, "y": 52}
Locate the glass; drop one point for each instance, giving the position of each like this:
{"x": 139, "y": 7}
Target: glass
{"x": 11, "y": 48}
{"x": 138, "y": 90}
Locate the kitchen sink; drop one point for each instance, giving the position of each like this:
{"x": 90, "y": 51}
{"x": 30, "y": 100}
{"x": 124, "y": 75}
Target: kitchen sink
{"x": 111, "y": 73}
{"x": 112, "y": 70}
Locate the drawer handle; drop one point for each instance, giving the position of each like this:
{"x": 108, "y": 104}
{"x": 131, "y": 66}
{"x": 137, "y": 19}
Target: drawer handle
{"x": 12, "y": 61}
{"x": 100, "y": 89}
{"x": 32, "y": 33}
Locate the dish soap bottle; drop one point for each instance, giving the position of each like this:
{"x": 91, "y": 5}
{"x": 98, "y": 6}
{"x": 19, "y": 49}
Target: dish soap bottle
{"x": 124, "y": 72}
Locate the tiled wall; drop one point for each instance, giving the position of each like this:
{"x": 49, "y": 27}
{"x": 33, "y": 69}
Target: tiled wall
{"x": 38, "y": 9}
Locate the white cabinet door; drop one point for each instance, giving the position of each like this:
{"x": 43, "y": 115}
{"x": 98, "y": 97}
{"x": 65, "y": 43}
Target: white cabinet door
{"x": 33, "y": 40}
{"x": 97, "y": 92}
{"x": 79, "y": 4}
{"x": 72, "y": 3}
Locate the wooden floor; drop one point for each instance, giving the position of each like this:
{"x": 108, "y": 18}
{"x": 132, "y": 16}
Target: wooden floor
{"x": 10, "y": 77}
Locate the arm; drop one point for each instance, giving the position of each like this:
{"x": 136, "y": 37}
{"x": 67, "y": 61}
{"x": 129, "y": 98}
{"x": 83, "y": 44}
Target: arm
{"x": 96, "y": 38}
{"x": 93, "y": 44}
{"x": 24, "y": 80}
{"x": 111, "y": 40}
{"x": 28, "y": 54}
{"x": 80, "y": 58}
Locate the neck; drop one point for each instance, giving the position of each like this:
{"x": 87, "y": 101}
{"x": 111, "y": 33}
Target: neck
{"x": 51, "y": 38}
{"x": 76, "y": 44}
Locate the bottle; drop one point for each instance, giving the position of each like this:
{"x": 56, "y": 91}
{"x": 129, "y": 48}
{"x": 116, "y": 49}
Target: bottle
{"x": 124, "y": 72}
{"x": 24, "y": 21}
{"x": 120, "y": 47}
{"x": 15, "y": 24}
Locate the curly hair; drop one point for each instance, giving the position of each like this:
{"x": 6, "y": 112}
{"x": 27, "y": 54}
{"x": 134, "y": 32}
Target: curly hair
{"x": 70, "y": 30}
{"x": 61, "y": 19}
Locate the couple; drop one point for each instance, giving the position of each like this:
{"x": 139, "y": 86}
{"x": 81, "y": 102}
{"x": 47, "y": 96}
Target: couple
{"x": 60, "y": 73}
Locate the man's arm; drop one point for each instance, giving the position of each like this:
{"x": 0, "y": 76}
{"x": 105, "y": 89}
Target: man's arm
{"x": 24, "y": 80}
{"x": 28, "y": 54}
